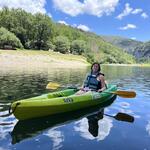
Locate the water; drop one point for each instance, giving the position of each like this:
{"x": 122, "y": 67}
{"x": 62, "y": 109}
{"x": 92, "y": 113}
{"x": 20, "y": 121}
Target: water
{"x": 85, "y": 129}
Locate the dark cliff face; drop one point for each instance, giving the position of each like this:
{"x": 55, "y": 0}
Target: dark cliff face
{"x": 142, "y": 51}
{"x": 139, "y": 49}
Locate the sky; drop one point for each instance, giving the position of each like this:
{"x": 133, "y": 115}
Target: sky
{"x": 126, "y": 18}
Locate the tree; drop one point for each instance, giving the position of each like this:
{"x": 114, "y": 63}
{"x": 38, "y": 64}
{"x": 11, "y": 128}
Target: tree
{"x": 62, "y": 44}
{"x": 42, "y": 31}
{"x": 78, "y": 47}
{"x": 9, "y": 39}
{"x": 6, "y": 19}
{"x": 18, "y": 22}
{"x": 23, "y": 25}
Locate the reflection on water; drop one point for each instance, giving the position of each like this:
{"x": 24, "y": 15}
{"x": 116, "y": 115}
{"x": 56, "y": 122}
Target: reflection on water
{"x": 20, "y": 86}
{"x": 93, "y": 122}
{"x": 148, "y": 128}
{"x": 79, "y": 130}
{"x": 56, "y": 137}
{"x": 94, "y": 129}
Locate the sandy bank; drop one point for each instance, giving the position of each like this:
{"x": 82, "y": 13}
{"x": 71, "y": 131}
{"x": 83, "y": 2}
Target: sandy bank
{"x": 25, "y": 60}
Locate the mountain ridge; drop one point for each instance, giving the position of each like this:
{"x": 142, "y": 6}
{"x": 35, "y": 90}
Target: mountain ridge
{"x": 140, "y": 50}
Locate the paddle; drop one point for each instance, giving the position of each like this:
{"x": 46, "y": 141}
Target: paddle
{"x": 125, "y": 94}
{"x": 5, "y": 115}
{"x": 53, "y": 86}
{"x": 6, "y": 123}
{"x": 122, "y": 117}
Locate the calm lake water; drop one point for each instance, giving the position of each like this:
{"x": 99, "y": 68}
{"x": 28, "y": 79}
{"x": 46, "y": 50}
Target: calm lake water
{"x": 83, "y": 130}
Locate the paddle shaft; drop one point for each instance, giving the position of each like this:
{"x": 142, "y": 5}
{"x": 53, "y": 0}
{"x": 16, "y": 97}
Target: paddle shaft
{"x": 124, "y": 94}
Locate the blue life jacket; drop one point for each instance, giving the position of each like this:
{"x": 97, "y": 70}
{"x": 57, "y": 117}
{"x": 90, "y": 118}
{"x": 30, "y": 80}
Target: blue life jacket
{"x": 92, "y": 83}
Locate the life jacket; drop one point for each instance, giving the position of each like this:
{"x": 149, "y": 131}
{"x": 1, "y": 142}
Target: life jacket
{"x": 91, "y": 81}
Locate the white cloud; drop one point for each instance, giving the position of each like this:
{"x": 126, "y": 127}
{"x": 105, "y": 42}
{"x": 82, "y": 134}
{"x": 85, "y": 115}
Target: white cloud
{"x": 83, "y": 27}
{"x": 137, "y": 11}
{"x": 74, "y": 25}
{"x": 128, "y": 26}
{"x": 129, "y": 10}
{"x": 99, "y": 8}
{"x": 32, "y": 6}
{"x": 148, "y": 128}
{"x": 71, "y": 7}
{"x": 144, "y": 15}
{"x": 126, "y": 11}
{"x": 133, "y": 38}
{"x": 80, "y": 26}
{"x": 63, "y": 22}
{"x": 50, "y": 15}
{"x": 57, "y": 137}
{"x": 91, "y": 7}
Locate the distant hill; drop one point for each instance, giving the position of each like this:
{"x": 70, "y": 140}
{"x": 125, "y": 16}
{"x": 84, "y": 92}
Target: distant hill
{"x": 128, "y": 45}
{"x": 142, "y": 52}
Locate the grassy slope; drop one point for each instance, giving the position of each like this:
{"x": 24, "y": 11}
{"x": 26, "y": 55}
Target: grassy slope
{"x": 48, "y": 55}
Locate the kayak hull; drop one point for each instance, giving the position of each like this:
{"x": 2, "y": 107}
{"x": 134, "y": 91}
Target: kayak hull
{"x": 59, "y": 102}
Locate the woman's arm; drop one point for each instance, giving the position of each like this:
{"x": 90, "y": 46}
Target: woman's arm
{"x": 102, "y": 79}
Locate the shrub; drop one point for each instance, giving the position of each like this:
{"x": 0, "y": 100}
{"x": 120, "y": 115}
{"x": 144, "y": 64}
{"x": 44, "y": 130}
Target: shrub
{"x": 9, "y": 39}
{"x": 62, "y": 44}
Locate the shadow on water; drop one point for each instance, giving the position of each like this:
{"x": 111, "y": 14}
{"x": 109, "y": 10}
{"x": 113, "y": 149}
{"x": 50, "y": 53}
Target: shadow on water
{"x": 30, "y": 128}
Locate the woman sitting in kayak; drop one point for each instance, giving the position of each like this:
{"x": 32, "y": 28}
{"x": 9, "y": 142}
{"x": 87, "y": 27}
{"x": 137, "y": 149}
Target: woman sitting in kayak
{"x": 94, "y": 80}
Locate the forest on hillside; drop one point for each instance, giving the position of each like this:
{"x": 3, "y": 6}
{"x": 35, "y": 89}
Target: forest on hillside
{"x": 22, "y": 30}
{"x": 141, "y": 50}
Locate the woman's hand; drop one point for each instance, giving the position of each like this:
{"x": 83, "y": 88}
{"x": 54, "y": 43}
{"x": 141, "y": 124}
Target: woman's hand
{"x": 100, "y": 90}
{"x": 82, "y": 89}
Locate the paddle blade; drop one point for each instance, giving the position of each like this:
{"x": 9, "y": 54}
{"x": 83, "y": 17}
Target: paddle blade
{"x": 124, "y": 117}
{"x": 6, "y": 123}
{"x": 52, "y": 86}
{"x": 125, "y": 94}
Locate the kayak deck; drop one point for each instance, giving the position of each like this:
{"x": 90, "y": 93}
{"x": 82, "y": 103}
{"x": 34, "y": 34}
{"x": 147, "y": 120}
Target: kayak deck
{"x": 59, "y": 102}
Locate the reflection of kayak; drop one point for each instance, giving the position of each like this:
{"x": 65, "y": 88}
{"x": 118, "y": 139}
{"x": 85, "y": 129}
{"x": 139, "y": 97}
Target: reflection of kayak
{"x": 31, "y": 128}
{"x": 59, "y": 102}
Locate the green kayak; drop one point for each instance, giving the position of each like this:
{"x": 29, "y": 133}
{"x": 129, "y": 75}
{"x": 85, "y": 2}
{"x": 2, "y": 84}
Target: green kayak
{"x": 59, "y": 102}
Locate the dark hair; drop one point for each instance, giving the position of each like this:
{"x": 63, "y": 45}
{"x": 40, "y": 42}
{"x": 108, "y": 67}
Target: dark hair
{"x": 99, "y": 67}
